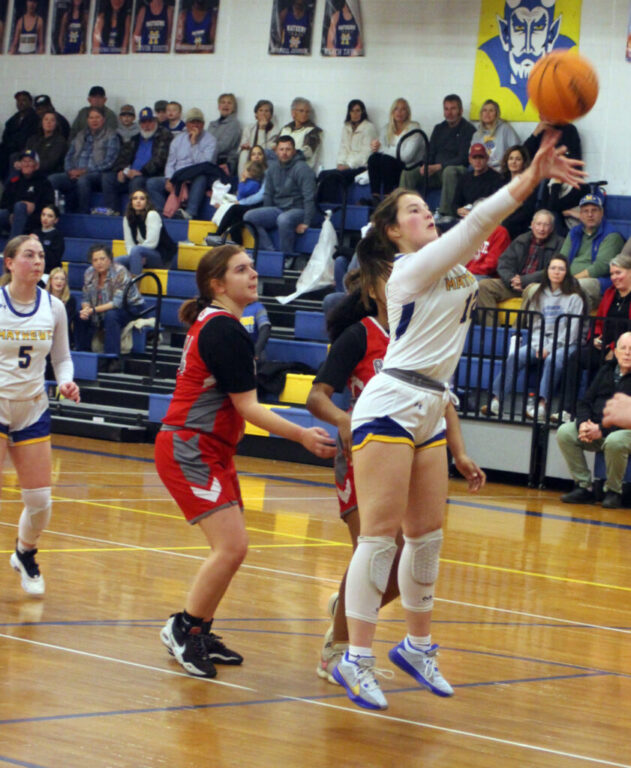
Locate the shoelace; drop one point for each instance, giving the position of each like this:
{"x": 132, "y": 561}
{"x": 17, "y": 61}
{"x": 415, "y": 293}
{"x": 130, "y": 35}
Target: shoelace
{"x": 367, "y": 673}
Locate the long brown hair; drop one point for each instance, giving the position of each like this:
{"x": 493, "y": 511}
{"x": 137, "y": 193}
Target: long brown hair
{"x": 212, "y": 266}
{"x": 385, "y": 216}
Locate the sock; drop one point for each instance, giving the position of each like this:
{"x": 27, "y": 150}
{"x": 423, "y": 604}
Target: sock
{"x": 420, "y": 643}
{"x": 357, "y": 650}
{"x": 206, "y": 627}
{"x": 189, "y": 623}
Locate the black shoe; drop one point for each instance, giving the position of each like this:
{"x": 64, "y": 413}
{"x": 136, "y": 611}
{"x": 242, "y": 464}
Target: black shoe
{"x": 579, "y": 496}
{"x": 216, "y": 650}
{"x": 189, "y": 649}
{"x": 612, "y": 500}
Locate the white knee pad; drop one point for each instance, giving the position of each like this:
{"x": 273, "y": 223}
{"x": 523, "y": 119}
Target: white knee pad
{"x": 418, "y": 571}
{"x": 35, "y": 515}
{"x": 368, "y": 576}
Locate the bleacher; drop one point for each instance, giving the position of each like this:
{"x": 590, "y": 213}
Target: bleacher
{"x": 129, "y": 406}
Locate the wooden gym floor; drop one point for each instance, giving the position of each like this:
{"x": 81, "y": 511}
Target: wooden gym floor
{"x": 533, "y": 619}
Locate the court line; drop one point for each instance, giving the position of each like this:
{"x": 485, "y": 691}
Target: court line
{"x": 11, "y": 761}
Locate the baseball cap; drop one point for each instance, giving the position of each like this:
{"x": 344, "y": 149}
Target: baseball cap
{"x": 194, "y": 114}
{"x": 30, "y": 153}
{"x": 592, "y": 199}
{"x": 97, "y": 90}
{"x": 160, "y": 105}
{"x": 42, "y": 101}
{"x": 478, "y": 150}
{"x": 127, "y": 109}
{"x": 145, "y": 115}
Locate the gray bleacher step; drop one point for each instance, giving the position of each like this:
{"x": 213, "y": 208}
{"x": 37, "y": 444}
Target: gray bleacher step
{"x": 63, "y": 424}
{"x": 98, "y": 412}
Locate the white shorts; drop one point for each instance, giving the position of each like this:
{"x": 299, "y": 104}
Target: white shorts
{"x": 25, "y": 421}
{"x": 415, "y": 416}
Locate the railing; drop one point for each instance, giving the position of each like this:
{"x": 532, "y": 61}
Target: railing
{"x": 421, "y": 159}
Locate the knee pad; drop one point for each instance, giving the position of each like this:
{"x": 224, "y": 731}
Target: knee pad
{"x": 35, "y": 515}
{"x": 425, "y": 556}
{"x": 382, "y": 553}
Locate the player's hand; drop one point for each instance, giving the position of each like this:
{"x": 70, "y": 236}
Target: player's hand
{"x": 475, "y": 477}
{"x": 70, "y": 390}
{"x": 551, "y": 160}
{"x": 318, "y": 441}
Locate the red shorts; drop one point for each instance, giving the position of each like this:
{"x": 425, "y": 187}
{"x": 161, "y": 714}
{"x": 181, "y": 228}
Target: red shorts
{"x": 344, "y": 482}
{"x": 198, "y": 472}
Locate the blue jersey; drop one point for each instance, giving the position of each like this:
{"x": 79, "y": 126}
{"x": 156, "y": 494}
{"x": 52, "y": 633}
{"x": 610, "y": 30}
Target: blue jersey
{"x": 295, "y": 33}
{"x": 346, "y": 35}
{"x": 197, "y": 33}
{"x": 253, "y": 318}
{"x": 154, "y": 31}
{"x": 73, "y": 39}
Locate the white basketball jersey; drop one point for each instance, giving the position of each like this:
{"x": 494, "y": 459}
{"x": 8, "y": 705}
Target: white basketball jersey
{"x": 25, "y": 339}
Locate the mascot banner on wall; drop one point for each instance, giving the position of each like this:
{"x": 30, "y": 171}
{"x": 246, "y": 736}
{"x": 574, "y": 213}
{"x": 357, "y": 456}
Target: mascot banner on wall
{"x": 112, "y": 27}
{"x": 342, "y": 29}
{"x": 28, "y": 31}
{"x": 69, "y": 26}
{"x": 196, "y": 26}
{"x": 291, "y": 27}
{"x": 513, "y": 36}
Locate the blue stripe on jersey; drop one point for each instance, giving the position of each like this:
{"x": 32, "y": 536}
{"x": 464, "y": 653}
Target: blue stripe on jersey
{"x": 407, "y": 310}
{"x": 38, "y": 295}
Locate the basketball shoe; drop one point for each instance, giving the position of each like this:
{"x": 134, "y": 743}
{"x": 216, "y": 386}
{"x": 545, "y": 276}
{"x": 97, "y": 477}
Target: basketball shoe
{"x": 24, "y": 563}
{"x": 358, "y": 678}
{"x": 422, "y": 666}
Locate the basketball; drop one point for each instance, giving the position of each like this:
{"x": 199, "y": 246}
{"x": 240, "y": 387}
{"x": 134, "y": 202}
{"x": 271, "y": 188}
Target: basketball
{"x": 563, "y": 86}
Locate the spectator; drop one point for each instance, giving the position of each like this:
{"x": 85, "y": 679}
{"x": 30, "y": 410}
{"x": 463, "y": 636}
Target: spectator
{"x": 57, "y": 285}
{"x": 358, "y": 133}
{"x": 568, "y": 138}
{"x": 50, "y": 237}
{"x": 127, "y": 125}
{"x": 160, "y": 110}
{"x": 152, "y": 32}
{"x": 558, "y": 294}
{"x": 227, "y": 132}
{"x": 174, "y": 122}
{"x": 305, "y": 133}
{"x": 24, "y": 196}
{"x": 384, "y": 169}
{"x": 190, "y": 156}
{"x": 590, "y": 246}
{"x": 262, "y": 133}
{"x": 448, "y": 153}
{"x": 288, "y": 201}
{"x": 563, "y": 200}
{"x": 522, "y": 264}
{"x": 588, "y": 433}
{"x": 42, "y": 105}
{"x": 138, "y": 160}
{"x": 91, "y": 152}
{"x": 146, "y": 240}
{"x": 49, "y": 144}
{"x": 516, "y": 159}
{"x": 112, "y": 27}
{"x": 96, "y": 98}
{"x": 494, "y": 133}
{"x": 28, "y": 36}
{"x": 484, "y": 264}
{"x": 104, "y": 284}
{"x": 17, "y": 130}
{"x": 477, "y": 183}
{"x": 250, "y": 194}
{"x": 257, "y": 323}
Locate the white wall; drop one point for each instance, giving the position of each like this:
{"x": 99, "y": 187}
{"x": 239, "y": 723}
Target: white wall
{"x": 419, "y": 49}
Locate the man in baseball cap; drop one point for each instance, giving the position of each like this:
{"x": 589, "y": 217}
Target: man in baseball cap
{"x": 96, "y": 98}
{"x": 25, "y": 194}
{"x": 477, "y": 182}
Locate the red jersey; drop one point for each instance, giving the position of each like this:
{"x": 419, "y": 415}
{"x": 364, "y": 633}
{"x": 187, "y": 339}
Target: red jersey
{"x": 218, "y": 358}
{"x": 372, "y": 361}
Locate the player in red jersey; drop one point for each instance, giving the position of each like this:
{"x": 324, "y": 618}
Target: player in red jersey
{"x": 358, "y": 328}
{"x": 215, "y": 393}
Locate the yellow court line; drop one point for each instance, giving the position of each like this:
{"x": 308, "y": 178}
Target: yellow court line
{"x": 83, "y": 550}
{"x": 536, "y": 575}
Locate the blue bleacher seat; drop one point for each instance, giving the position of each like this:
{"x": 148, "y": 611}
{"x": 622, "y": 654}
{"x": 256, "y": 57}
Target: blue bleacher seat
{"x": 310, "y": 326}
{"x": 618, "y": 207}
{"x": 309, "y": 353}
{"x": 76, "y": 248}
{"x": 177, "y": 229}
{"x": 96, "y": 228}
{"x": 270, "y": 263}
{"x": 76, "y": 271}
{"x": 181, "y": 283}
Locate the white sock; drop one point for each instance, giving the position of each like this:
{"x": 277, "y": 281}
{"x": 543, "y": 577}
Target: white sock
{"x": 420, "y": 643}
{"x": 357, "y": 650}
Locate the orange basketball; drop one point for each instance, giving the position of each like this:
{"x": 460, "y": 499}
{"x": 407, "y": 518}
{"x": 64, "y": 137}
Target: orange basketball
{"x": 563, "y": 86}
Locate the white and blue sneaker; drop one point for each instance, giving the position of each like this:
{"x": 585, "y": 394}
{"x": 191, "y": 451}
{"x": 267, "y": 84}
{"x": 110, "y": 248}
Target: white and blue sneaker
{"x": 422, "y": 665}
{"x": 31, "y": 578}
{"x": 358, "y": 677}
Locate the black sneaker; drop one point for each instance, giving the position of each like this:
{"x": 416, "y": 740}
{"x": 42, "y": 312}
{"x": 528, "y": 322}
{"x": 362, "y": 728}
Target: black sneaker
{"x": 188, "y": 649}
{"x": 24, "y": 563}
{"x": 612, "y": 500}
{"x": 579, "y": 496}
{"x": 217, "y": 651}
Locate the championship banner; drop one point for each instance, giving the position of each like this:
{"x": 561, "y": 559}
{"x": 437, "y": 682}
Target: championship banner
{"x": 513, "y": 36}
{"x": 342, "y": 29}
{"x": 290, "y": 30}
{"x": 112, "y": 27}
{"x": 153, "y": 24}
{"x": 69, "y": 26}
{"x": 196, "y": 26}
{"x": 28, "y": 31}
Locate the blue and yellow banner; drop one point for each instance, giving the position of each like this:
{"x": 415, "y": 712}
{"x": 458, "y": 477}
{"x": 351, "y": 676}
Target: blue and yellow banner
{"x": 513, "y": 36}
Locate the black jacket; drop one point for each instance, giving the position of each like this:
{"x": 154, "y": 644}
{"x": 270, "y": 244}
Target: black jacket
{"x": 34, "y": 189}
{"x": 159, "y": 153}
{"x": 602, "y": 388}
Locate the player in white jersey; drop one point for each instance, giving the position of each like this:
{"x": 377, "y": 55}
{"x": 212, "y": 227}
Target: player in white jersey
{"x": 32, "y": 324}
{"x": 399, "y": 455}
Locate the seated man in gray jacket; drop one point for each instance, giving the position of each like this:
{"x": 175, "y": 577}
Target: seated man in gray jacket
{"x": 523, "y": 262}
{"x": 288, "y": 202}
